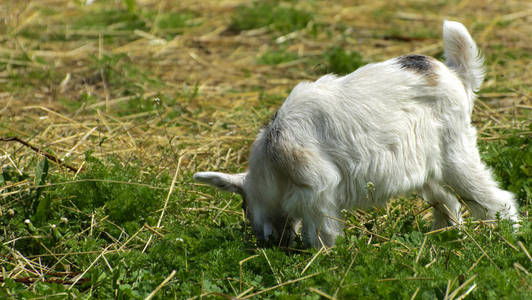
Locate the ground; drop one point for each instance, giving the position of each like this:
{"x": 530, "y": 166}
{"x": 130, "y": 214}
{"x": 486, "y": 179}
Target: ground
{"x": 107, "y": 108}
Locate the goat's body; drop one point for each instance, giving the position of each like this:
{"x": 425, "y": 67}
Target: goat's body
{"x": 356, "y": 142}
{"x": 387, "y": 129}
{"x": 364, "y": 140}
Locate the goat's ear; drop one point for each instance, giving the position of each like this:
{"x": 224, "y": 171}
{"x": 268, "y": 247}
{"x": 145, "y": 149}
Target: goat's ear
{"x": 228, "y": 182}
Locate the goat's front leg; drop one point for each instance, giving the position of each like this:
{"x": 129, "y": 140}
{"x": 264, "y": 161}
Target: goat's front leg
{"x": 319, "y": 231}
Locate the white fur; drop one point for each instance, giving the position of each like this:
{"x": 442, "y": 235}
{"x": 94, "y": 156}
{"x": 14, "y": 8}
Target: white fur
{"x": 357, "y": 140}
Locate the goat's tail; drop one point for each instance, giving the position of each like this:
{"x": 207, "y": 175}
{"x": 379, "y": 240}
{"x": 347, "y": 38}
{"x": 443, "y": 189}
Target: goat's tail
{"x": 462, "y": 55}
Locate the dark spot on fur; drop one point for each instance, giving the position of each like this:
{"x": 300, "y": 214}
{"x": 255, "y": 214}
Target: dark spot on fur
{"x": 271, "y": 139}
{"x": 415, "y": 62}
{"x": 420, "y": 64}
{"x": 272, "y": 133}
{"x": 274, "y": 116}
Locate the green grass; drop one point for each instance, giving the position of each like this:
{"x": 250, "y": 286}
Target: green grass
{"x": 271, "y": 14}
{"x": 119, "y": 19}
{"x": 205, "y": 247}
{"x": 341, "y": 62}
{"x": 277, "y": 57}
{"x": 102, "y": 222}
{"x": 174, "y": 20}
{"x": 113, "y": 24}
{"x": 121, "y": 74}
{"x": 334, "y": 60}
{"x": 512, "y": 161}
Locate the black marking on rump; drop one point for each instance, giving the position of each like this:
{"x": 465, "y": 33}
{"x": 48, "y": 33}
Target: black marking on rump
{"x": 420, "y": 64}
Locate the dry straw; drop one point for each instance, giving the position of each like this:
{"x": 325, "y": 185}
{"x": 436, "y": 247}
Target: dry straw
{"x": 214, "y": 129}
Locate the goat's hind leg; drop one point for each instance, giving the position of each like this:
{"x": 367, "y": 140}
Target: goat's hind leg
{"x": 483, "y": 197}
{"x": 473, "y": 181}
{"x": 446, "y": 207}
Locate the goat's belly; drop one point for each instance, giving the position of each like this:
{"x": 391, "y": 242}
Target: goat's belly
{"x": 372, "y": 181}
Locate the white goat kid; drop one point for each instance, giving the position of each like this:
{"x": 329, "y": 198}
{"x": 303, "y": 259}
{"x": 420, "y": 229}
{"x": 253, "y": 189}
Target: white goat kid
{"x": 387, "y": 129}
